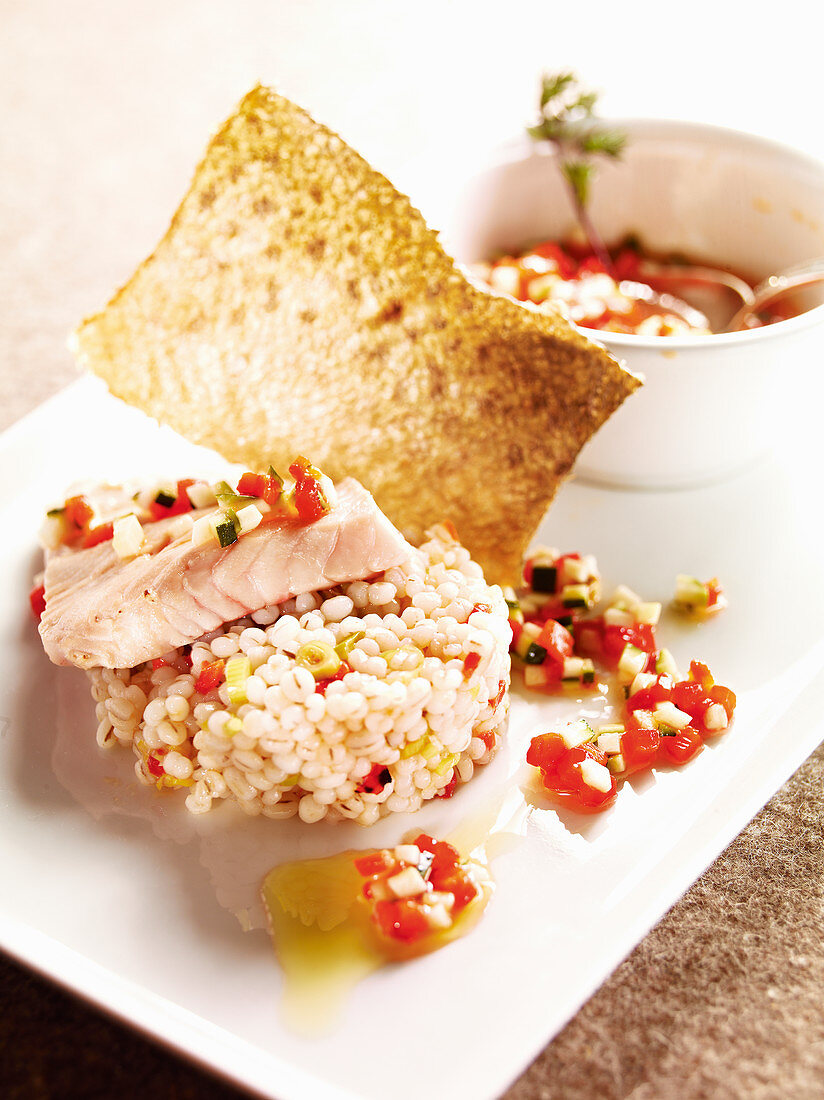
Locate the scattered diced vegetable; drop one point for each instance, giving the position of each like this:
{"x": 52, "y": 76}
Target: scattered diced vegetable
{"x": 320, "y": 658}
{"x": 238, "y": 670}
{"x": 128, "y": 536}
{"x": 697, "y": 597}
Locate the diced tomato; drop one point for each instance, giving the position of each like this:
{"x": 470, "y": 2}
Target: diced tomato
{"x": 211, "y": 676}
{"x": 627, "y": 265}
{"x": 446, "y": 858}
{"x": 551, "y": 250}
{"x": 691, "y": 697}
{"x": 459, "y": 884}
{"x": 714, "y": 592}
{"x": 488, "y": 738}
{"x": 375, "y": 863}
{"x": 641, "y": 635}
{"x": 649, "y": 698}
{"x": 551, "y": 609}
{"x": 545, "y": 750}
{"x": 589, "y": 637}
{"x": 180, "y": 505}
{"x": 251, "y": 485}
{"x": 425, "y": 842}
{"x": 591, "y": 265}
{"x": 701, "y": 674}
{"x": 723, "y": 695}
{"x": 557, "y": 641}
{"x": 102, "y": 533}
{"x": 564, "y": 779}
{"x": 37, "y": 599}
{"x": 158, "y": 662}
{"x": 681, "y": 747}
{"x": 639, "y": 748}
{"x": 401, "y": 920}
{"x": 310, "y": 499}
{"x": 528, "y": 572}
{"x": 480, "y": 607}
{"x": 496, "y": 702}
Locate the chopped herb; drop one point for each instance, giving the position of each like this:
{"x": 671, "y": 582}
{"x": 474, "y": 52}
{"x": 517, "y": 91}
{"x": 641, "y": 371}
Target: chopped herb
{"x": 567, "y": 120}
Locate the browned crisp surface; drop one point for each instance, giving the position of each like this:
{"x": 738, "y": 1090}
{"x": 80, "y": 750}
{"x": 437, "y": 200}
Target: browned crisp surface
{"x": 299, "y": 303}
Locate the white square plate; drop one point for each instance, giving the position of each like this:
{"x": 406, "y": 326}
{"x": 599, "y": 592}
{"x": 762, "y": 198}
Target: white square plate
{"x": 111, "y": 889}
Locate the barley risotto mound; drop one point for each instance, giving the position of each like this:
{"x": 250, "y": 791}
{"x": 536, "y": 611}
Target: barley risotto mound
{"x": 349, "y": 703}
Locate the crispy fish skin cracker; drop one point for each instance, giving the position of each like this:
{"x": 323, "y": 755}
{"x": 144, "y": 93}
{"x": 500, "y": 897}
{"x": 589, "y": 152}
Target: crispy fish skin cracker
{"x": 299, "y": 304}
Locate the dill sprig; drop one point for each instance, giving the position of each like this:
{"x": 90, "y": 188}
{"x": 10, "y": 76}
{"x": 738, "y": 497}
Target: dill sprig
{"x": 568, "y": 122}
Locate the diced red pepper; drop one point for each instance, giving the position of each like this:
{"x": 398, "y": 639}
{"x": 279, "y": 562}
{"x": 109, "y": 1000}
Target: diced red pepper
{"x": 104, "y": 532}
{"x": 376, "y": 863}
{"x": 322, "y": 685}
{"x": 180, "y": 505}
{"x": 37, "y": 599}
{"x": 450, "y": 788}
{"x": 557, "y": 641}
{"x": 78, "y": 513}
{"x": 471, "y": 662}
{"x": 210, "y": 677}
{"x": 155, "y": 766}
{"x": 264, "y": 486}
{"x": 375, "y": 780}
{"x": 446, "y": 858}
{"x": 701, "y": 674}
{"x": 714, "y": 592}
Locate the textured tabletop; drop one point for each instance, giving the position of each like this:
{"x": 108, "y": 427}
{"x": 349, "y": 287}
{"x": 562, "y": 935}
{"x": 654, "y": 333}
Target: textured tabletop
{"x": 105, "y": 111}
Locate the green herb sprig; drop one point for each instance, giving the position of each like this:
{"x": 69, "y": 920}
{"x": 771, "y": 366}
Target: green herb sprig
{"x": 567, "y": 121}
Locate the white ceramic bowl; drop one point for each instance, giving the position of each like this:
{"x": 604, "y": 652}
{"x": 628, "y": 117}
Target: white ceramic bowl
{"x": 710, "y": 404}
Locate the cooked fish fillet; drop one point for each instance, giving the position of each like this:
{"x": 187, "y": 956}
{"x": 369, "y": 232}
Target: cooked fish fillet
{"x": 102, "y": 610}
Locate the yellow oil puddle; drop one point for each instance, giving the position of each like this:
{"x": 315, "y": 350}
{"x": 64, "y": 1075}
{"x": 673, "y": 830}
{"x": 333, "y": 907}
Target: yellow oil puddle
{"x": 321, "y": 931}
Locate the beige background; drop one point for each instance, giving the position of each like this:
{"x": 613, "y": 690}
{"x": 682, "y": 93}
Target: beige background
{"x": 105, "y": 109}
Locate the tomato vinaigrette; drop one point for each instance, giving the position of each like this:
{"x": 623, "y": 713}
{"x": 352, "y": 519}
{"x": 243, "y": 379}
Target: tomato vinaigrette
{"x": 632, "y": 296}
{"x": 665, "y": 719}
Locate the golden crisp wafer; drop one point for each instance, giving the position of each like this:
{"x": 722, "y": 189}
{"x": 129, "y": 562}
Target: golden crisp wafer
{"x": 299, "y": 304}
